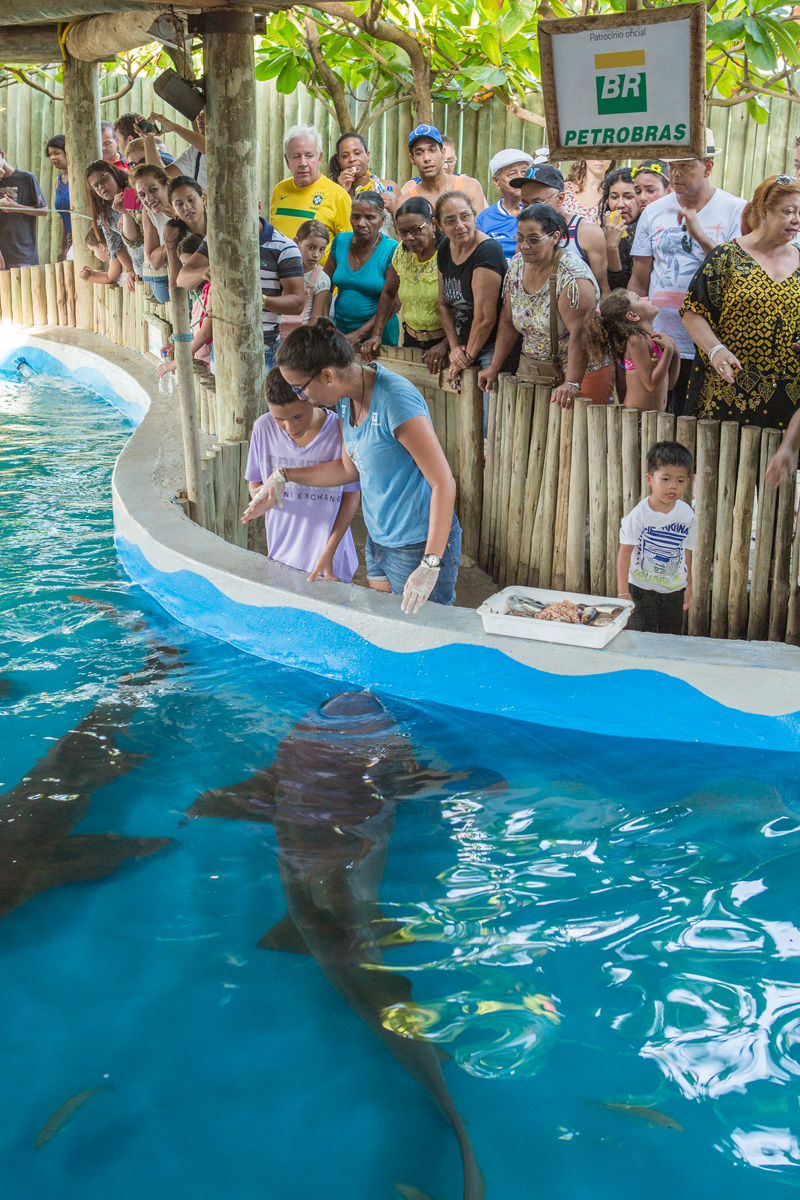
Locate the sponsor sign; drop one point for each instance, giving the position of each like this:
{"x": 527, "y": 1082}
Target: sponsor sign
{"x": 634, "y": 80}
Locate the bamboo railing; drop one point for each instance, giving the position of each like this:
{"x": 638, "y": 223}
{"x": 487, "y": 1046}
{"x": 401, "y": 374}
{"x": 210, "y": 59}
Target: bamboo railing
{"x": 541, "y": 499}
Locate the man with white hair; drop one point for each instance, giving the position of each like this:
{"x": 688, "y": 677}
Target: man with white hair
{"x": 499, "y": 221}
{"x": 307, "y": 194}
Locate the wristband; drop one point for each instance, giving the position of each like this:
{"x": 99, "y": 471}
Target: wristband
{"x": 467, "y": 354}
{"x": 566, "y": 383}
{"x": 622, "y": 595}
{"x": 719, "y": 346}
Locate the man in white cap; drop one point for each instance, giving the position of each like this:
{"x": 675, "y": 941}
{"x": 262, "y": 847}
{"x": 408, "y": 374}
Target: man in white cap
{"x": 499, "y": 221}
{"x": 673, "y": 236}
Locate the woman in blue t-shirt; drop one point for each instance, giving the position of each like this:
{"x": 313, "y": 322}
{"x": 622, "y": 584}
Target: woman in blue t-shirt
{"x": 56, "y": 152}
{"x": 407, "y": 488}
{"x": 357, "y": 264}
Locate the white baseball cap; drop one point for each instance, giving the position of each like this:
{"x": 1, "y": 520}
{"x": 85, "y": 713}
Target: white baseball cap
{"x": 504, "y": 158}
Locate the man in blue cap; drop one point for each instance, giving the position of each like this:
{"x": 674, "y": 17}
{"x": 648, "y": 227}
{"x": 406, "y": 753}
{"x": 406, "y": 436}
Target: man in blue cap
{"x": 544, "y": 184}
{"x": 426, "y": 154}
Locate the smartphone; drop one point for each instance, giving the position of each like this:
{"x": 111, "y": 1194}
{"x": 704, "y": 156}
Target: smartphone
{"x": 130, "y": 200}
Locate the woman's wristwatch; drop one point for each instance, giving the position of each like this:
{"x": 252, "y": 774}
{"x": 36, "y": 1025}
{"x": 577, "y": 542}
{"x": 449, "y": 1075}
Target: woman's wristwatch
{"x": 432, "y": 560}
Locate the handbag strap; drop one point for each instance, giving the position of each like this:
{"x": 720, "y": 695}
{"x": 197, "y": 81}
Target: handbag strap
{"x": 554, "y": 309}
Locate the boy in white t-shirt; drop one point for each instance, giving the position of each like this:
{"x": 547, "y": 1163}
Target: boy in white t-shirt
{"x": 654, "y": 564}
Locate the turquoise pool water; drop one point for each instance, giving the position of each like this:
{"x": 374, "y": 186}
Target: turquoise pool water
{"x": 606, "y": 943}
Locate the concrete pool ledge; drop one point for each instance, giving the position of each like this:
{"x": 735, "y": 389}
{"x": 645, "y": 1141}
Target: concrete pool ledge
{"x": 642, "y": 685}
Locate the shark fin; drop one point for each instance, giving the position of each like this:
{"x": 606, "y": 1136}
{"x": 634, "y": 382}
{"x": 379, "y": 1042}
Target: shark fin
{"x": 251, "y": 800}
{"x": 284, "y": 936}
{"x": 92, "y": 856}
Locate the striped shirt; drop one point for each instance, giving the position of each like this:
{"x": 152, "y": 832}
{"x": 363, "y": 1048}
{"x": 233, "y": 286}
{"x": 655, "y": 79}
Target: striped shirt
{"x": 280, "y": 259}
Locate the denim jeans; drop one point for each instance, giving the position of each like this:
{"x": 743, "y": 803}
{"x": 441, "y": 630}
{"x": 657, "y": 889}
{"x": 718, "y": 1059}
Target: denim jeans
{"x": 159, "y": 286}
{"x": 270, "y": 350}
{"x": 396, "y": 563}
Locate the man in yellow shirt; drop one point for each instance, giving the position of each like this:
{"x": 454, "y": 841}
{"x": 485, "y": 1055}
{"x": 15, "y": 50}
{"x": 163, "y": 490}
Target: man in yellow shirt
{"x": 307, "y": 194}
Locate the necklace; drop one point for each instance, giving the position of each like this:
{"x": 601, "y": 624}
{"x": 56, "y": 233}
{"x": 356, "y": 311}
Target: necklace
{"x": 361, "y": 401}
{"x": 370, "y": 248}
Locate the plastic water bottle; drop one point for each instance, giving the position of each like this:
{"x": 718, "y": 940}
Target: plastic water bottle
{"x": 166, "y": 384}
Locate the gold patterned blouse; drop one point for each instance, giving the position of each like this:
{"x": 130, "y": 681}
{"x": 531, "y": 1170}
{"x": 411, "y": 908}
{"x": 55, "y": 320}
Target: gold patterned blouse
{"x": 757, "y": 319}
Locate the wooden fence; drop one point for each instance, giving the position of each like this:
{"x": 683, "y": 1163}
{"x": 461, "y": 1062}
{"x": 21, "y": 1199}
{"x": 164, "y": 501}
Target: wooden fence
{"x": 28, "y": 118}
{"x": 541, "y": 501}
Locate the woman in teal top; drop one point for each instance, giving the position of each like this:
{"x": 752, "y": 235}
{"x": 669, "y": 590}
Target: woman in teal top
{"x": 357, "y": 265}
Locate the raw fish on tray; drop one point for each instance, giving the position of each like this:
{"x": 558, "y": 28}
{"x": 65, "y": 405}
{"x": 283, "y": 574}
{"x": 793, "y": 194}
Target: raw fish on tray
{"x": 564, "y": 610}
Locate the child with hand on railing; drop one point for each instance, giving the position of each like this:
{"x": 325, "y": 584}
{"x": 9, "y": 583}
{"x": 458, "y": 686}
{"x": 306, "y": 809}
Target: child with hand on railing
{"x": 113, "y": 274}
{"x": 622, "y": 328}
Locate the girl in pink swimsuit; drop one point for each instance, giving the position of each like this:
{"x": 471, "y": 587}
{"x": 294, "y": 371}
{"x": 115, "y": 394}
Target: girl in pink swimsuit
{"x": 622, "y": 327}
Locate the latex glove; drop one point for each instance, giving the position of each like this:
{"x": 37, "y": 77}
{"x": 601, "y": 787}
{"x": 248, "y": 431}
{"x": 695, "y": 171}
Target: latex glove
{"x": 418, "y": 588}
{"x": 268, "y": 496}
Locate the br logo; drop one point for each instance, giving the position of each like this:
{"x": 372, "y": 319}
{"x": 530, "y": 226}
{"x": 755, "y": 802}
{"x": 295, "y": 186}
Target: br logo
{"x": 620, "y": 87}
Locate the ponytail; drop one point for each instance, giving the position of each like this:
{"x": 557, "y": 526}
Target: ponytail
{"x": 607, "y": 329}
{"x": 310, "y": 348}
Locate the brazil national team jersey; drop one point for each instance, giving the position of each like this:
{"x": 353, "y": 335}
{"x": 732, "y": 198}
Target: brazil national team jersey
{"x": 322, "y": 200}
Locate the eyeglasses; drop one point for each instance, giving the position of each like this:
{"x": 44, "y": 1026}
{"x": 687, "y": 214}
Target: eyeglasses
{"x": 98, "y": 183}
{"x": 299, "y": 389}
{"x": 413, "y": 231}
{"x": 533, "y": 240}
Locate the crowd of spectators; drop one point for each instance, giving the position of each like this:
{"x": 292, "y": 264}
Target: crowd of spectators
{"x": 645, "y": 284}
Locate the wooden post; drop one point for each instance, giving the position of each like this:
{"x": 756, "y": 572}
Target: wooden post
{"x": 542, "y": 543}
{"x": 185, "y": 378}
{"x": 726, "y": 489}
{"x": 631, "y": 479}
{"x": 72, "y": 299}
{"x": 6, "y": 313}
{"x": 707, "y": 465}
{"x": 233, "y": 218}
{"x": 519, "y": 463}
{"x": 559, "y": 573}
{"x": 758, "y": 619}
{"x": 533, "y": 478}
{"x": 598, "y": 499}
{"x": 488, "y": 476}
{"x": 82, "y": 131}
{"x": 746, "y": 476}
{"x": 50, "y": 292}
{"x": 16, "y": 295}
{"x": 470, "y": 468}
{"x": 575, "y": 579}
{"x": 25, "y": 292}
{"x": 615, "y": 513}
{"x": 779, "y": 600}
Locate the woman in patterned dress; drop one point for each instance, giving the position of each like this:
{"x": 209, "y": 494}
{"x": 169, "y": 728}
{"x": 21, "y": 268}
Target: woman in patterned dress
{"x": 526, "y": 307}
{"x": 584, "y": 187}
{"x": 742, "y": 312}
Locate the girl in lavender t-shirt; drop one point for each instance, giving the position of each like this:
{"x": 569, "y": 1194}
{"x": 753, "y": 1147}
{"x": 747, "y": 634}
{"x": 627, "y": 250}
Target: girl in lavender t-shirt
{"x": 312, "y": 530}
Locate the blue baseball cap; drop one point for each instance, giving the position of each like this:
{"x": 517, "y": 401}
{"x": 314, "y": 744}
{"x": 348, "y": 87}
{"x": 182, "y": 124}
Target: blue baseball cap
{"x": 428, "y": 131}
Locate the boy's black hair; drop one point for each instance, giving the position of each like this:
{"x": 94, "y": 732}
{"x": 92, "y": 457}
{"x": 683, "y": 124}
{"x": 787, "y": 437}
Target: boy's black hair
{"x": 668, "y": 454}
{"x": 277, "y": 390}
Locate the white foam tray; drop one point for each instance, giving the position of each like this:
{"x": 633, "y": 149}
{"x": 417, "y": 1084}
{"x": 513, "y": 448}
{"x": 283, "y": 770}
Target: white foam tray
{"x": 496, "y": 618}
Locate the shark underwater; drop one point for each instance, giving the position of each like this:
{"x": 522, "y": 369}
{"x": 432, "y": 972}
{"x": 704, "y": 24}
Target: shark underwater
{"x": 331, "y": 795}
{"x": 38, "y": 850}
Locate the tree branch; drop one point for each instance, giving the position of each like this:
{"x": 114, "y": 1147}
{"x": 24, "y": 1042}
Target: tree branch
{"x": 21, "y": 77}
{"x": 332, "y": 84}
{"x": 373, "y": 116}
{"x": 123, "y": 91}
{"x": 525, "y": 114}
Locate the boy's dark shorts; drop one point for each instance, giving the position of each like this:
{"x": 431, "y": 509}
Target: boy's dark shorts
{"x": 657, "y": 612}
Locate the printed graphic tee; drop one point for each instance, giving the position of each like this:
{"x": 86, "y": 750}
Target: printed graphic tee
{"x": 658, "y": 562}
{"x": 457, "y": 283}
{"x": 18, "y": 230}
{"x": 659, "y": 233}
{"x": 298, "y": 533}
{"x": 322, "y": 200}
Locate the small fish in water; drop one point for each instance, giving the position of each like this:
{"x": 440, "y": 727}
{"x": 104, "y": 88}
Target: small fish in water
{"x": 66, "y": 1112}
{"x": 651, "y": 1115}
{"x": 410, "y": 1193}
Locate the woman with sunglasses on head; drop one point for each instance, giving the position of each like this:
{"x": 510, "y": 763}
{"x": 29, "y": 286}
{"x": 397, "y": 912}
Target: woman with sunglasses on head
{"x": 407, "y": 488}
{"x": 527, "y": 298}
{"x": 413, "y": 279}
{"x": 105, "y": 186}
{"x": 742, "y": 311}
